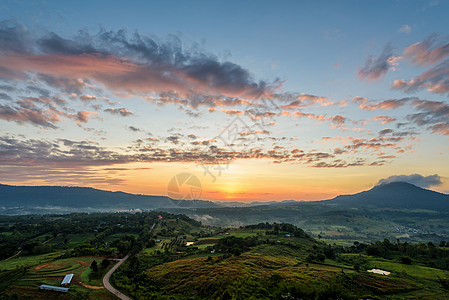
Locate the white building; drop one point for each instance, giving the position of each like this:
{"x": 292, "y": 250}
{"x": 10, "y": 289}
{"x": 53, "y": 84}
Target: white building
{"x": 67, "y": 279}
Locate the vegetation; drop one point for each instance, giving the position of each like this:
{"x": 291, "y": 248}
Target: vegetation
{"x": 175, "y": 257}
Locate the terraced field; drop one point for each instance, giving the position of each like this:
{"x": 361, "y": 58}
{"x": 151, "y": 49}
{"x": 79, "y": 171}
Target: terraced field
{"x": 53, "y": 272}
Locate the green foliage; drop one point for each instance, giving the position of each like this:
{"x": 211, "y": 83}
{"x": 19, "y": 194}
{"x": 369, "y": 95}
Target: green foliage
{"x": 262, "y": 261}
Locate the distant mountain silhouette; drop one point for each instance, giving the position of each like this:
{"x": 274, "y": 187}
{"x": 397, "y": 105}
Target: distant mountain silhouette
{"x": 60, "y": 199}
{"x": 395, "y": 195}
{"x": 30, "y": 199}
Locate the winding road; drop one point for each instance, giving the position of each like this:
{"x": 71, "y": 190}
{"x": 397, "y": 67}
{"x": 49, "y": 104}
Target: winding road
{"x": 106, "y": 278}
{"x": 108, "y": 286}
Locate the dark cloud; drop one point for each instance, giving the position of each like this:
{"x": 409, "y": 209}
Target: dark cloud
{"x": 135, "y": 129}
{"x": 14, "y": 38}
{"x": 38, "y": 90}
{"x": 385, "y": 132}
{"x": 338, "y": 163}
{"x": 4, "y": 96}
{"x": 54, "y": 44}
{"x": 416, "y": 179}
{"x": 119, "y": 111}
{"x": 40, "y": 117}
{"x": 433, "y": 114}
{"x": 376, "y": 68}
{"x": 134, "y": 64}
{"x": 67, "y": 154}
{"x": 7, "y": 88}
{"x": 67, "y": 85}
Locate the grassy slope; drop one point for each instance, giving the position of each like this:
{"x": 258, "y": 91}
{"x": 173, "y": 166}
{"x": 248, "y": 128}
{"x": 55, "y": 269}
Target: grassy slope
{"x": 252, "y": 273}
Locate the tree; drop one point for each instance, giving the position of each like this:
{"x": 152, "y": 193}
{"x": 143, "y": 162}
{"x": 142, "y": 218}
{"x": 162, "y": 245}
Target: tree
{"x": 94, "y": 266}
{"x": 406, "y": 260}
{"x": 105, "y": 263}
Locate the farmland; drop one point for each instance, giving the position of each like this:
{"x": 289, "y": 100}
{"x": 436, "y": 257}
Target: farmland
{"x": 175, "y": 257}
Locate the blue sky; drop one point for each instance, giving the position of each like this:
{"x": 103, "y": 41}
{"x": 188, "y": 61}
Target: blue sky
{"x": 339, "y": 122}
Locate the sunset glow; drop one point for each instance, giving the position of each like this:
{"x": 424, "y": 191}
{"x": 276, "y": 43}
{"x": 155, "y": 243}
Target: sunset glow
{"x": 278, "y": 105}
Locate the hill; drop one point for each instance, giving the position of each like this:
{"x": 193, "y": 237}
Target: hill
{"x": 396, "y": 195}
{"x": 60, "y": 199}
{"x": 175, "y": 257}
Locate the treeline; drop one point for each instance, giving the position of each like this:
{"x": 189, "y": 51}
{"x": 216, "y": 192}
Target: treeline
{"x": 423, "y": 253}
{"x": 236, "y": 245}
{"x": 276, "y": 228}
{"x": 27, "y": 233}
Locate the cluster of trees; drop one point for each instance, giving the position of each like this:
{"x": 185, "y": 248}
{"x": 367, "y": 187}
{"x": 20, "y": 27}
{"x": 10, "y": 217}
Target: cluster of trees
{"x": 97, "y": 271}
{"x": 236, "y": 245}
{"x": 276, "y": 228}
{"x": 426, "y": 254}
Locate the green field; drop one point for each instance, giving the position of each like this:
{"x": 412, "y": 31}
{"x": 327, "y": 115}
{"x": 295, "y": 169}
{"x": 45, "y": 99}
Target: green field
{"x": 261, "y": 261}
{"x": 26, "y": 261}
{"x": 52, "y": 273}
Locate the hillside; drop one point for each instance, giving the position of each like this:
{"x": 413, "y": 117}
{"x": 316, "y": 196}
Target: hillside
{"x": 175, "y": 257}
{"x": 59, "y": 199}
{"x": 399, "y": 195}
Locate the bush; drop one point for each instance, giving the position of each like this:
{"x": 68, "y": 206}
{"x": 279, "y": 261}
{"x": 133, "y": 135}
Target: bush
{"x": 406, "y": 260}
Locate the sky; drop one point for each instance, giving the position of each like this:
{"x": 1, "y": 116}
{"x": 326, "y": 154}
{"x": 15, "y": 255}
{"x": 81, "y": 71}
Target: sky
{"x": 254, "y": 100}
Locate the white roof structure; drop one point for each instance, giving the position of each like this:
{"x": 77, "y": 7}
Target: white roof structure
{"x": 67, "y": 279}
{"x": 53, "y": 288}
{"x": 378, "y": 271}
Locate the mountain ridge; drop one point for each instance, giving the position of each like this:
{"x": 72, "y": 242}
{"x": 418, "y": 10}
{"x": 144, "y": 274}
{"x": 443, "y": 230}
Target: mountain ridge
{"x": 395, "y": 195}
{"x": 63, "y": 199}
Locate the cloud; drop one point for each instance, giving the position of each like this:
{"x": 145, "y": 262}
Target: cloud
{"x": 338, "y": 121}
{"x": 366, "y": 104}
{"x": 67, "y": 85}
{"x": 119, "y": 111}
{"x": 136, "y": 65}
{"x": 385, "y": 132}
{"x": 41, "y": 111}
{"x": 135, "y": 129}
{"x": 433, "y": 114}
{"x": 440, "y": 128}
{"x": 376, "y": 68}
{"x": 384, "y": 119}
{"x": 416, "y": 179}
{"x": 405, "y": 29}
{"x": 4, "y": 96}
{"x": 83, "y": 116}
{"x": 430, "y": 52}
{"x": 40, "y": 117}
{"x": 435, "y": 80}
{"x": 77, "y": 155}
{"x": 301, "y": 100}
{"x": 232, "y": 112}
{"x": 88, "y": 97}
{"x": 427, "y": 53}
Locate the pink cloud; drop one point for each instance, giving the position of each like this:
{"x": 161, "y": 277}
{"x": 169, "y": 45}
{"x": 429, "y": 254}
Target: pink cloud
{"x": 426, "y": 53}
{"x": 384, "y": 119}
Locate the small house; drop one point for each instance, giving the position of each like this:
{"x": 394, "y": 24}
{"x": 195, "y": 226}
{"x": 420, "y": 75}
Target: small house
{"x": 67, "y": 279}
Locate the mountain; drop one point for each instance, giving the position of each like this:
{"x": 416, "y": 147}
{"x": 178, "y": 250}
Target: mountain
{"x": 396, "y": 195}
{"x": 60, "y": 199}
